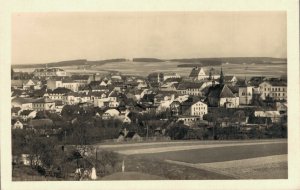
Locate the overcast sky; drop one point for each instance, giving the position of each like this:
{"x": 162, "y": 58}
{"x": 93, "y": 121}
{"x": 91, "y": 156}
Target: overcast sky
{"x": 51, "y": 37}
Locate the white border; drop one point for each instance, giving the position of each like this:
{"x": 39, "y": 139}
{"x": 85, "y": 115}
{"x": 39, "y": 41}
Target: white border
{"x": 291, "y": 6}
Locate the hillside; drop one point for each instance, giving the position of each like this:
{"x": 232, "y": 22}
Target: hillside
{"x": 190, "y": 62}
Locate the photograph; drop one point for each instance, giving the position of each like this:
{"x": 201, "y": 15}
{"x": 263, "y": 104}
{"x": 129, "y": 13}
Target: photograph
{"x": 150, "y": 95}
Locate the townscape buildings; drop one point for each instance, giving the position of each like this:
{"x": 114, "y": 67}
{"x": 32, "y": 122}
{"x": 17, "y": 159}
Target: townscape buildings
{"x": 185, "y": 99}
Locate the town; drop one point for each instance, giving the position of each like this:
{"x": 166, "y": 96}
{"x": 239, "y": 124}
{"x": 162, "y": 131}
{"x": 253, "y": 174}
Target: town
{"x": 53, "y": 110}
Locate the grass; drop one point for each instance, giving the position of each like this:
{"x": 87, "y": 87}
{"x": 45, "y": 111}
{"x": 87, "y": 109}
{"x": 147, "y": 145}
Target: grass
{"x": 169, "y": 171}
{"x": 221, "y": 153}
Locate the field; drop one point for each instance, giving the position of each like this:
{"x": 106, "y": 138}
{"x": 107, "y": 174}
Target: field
{"x": 144, "y": 68}
{"x": 259, "y": 159}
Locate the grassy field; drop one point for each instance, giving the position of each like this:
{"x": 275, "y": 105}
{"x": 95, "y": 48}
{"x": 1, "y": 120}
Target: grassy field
{"x": 256, "y": 159}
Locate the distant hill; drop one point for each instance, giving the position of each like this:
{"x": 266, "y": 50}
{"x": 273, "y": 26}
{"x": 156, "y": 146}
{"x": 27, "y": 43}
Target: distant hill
{"x": 190, "y": 62}
{"x": 78, "y": 62}
{"x": 147, "y": 60}
{"x": 233, "y": 60}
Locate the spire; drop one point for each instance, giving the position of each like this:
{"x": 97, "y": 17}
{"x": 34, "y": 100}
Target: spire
{"x": 221, "y": 79}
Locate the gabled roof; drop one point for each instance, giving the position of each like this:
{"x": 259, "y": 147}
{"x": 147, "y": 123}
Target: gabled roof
{"x": 15, "y": 109}
{"x": 17, "y": 83}
{"x": 220, "y": 91}
{"x": 189, "y": 85}
{"x": 60, "y": 90}
{"x": 22, "y": 100}
{"x": 26, "y": 112}
{"x": 43, "y": 100}
{"x": 196, "y": 71}
{"x": 80, "y": 77}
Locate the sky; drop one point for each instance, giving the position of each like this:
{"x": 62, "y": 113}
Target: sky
{"x": 52, "y": 37}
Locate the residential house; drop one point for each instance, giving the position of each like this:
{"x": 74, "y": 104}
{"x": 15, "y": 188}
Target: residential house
{"x": 27, "y": 114}
{"x": 197, "y": 74}
{"x": 54, "y": 83}
{"x": 17, "y": 125}
{"x": 23, "y": 103}
{"x": 128, "y": 136}
{"x": 110, "y": 114}
{"x": 273, "y": 115}
{"x": 230, "y": 79}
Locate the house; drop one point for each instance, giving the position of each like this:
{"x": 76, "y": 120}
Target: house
{"x": 273, "y": 115}
{"x": 128, "y": 136}
{"x": 71, "y": 98}
{"x": 42, "y": 104}
{"x": 275, "y": 89}
{"x": 188, "y": 120}
{"x": 281, "y": 107}
{"x": 194, "y": 88}
{"x": 230, "y": 79}
{"x": 54, "y": 83}
{"x": 23, "y": 103}
{"x": 190, "y": 88}
{"x": 197, "y": 74}
{"x": 194, "y": 107}
{"x": 222, "y": 96}
{"x": 17, "y": 84}
{"x": 169, "y": 86}
{"x": 17, "y": 125}
{"x": 27, "y": 114}
{"x": 163, "y": 101}
{"x": 245, "y": 94}
{"x": 57, "y": 94}
{"x": 49, "y": 72}
{"x": 110, "y": 113}
{"x": 175, "y": 108}
{"x": 15, "y": 111}
{"x": 170, "y": 75}
{"x": 71, "y": 84}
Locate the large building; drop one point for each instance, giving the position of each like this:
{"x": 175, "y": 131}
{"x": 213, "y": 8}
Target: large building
{"x": 222, "y": 96}
{"x": 49, "y": 72}
{"x": 273, "y": 89}
{"x": 43, "y": 104}
{"x": 197, "y": 74}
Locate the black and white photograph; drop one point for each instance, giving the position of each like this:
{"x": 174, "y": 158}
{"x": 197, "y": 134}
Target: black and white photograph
{"x": 104, "y": 96}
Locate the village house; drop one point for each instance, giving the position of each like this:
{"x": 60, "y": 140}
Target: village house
{"x": 110, "y": 114}
{"x": 23, "y": 103}
{"x": 17, "y": 125}
{"x": 222, "y": 96}
{"x": 197, "y": 74}
{"x": 273, "y": 115}
{"x": 128, "y": 136}
{"x": 163, "y": 101}
{"x": 27, "y": 114}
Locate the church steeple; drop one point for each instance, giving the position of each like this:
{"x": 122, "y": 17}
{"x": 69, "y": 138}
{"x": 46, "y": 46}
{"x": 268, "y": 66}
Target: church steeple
{"x": 221, "y": 79}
